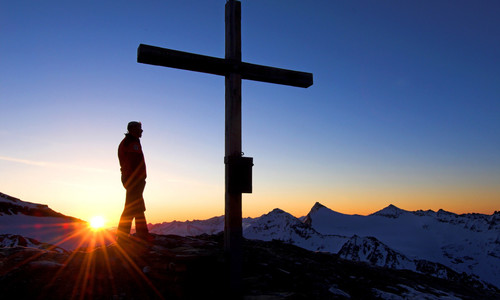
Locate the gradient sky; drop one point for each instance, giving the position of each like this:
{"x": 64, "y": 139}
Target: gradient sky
{"x": 405, "y": 106}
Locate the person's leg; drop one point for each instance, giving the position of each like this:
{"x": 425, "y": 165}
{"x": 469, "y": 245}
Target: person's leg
{"x": 127, "y": 216}
{"x": 135, "y": 203}
{"x": 141, "y": 226}
{"x": 125, "y": 224}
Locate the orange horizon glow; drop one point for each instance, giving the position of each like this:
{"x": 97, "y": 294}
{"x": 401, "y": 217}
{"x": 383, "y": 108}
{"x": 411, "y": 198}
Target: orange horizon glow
{"x": 349, "y": 203}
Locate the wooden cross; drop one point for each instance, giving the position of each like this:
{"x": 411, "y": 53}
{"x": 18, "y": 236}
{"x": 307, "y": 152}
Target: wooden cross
{"x": 234, "y": 71}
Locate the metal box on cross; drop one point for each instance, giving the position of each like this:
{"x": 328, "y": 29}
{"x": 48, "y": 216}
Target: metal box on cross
{"x": 240, "y": 174}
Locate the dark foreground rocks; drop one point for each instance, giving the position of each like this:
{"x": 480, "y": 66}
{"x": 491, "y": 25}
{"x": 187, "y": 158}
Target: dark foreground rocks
{"x": 174, "y": 267}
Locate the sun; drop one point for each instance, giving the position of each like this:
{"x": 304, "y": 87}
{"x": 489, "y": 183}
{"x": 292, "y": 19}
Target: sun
{"x": 97, "y": 223}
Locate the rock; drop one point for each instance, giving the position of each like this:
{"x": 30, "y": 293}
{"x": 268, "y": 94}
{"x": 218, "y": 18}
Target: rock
{"x": 175, "y": 267}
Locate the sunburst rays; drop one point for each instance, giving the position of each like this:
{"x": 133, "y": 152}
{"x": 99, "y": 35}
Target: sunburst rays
{"x": 95, "y": 261}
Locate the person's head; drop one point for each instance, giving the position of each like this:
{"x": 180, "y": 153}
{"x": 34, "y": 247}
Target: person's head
{"x": 135, "y": 129}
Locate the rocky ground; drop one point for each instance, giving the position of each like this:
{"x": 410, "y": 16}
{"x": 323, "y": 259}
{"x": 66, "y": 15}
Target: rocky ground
{"x": 175, "y": 267}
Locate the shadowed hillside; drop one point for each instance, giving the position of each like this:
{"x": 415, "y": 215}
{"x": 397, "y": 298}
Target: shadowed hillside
{"x": 175, "y": 267}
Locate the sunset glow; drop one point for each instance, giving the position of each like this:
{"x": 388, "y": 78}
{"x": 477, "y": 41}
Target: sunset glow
{"x": 97, "y": 223}
{"x": 403, "y": 110}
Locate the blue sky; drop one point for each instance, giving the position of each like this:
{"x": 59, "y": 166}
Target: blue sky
{"x": 404, "y": 108}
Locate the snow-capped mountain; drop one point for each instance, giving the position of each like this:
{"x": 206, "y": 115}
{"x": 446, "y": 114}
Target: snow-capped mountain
{"x": 440, "y": 243}
{"x": 13, "y": 206}
{"x": 466, "y": 243}
{"x": 280, "y": 225}
{"x": 276, "y": 225}
{"x": 423, "y": 241}
{"x": 38, "y": 225}
{"x": 371, "y": 250}
{"x": 189, "y": 228}
{"x": 14, "y": 240}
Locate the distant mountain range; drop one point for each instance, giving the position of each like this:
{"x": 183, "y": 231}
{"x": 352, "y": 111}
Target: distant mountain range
{"x": 441, "y": 244}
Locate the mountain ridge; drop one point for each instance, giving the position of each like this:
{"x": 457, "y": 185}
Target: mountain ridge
{"x": 11, "y": 206}
{"x": 466, "y": 244}
{"x": 426, "y": 238}
{"x": 37, "y": 222}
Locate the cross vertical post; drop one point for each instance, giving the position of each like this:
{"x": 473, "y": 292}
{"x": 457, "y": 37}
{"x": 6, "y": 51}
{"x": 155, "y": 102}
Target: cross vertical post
{"x": 237, "y": 168}
{"x": 233, "y": 207}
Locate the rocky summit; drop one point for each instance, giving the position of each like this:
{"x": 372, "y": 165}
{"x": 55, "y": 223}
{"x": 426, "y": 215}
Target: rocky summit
{"x": 175, "y": 267}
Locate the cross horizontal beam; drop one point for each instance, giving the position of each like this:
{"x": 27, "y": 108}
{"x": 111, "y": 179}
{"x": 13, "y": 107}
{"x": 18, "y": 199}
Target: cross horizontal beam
{"x": 207, "y": 64}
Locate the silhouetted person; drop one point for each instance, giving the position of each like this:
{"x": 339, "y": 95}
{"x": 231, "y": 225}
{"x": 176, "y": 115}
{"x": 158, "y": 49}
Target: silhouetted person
{"x": 133, "y": 169}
